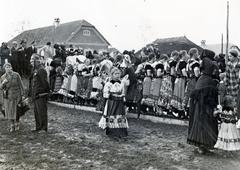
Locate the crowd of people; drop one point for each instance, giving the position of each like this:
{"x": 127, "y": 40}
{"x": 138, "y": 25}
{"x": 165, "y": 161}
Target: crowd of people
{"x": 199, "y": 86}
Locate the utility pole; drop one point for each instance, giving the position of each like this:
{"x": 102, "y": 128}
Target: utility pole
{"x": 222, "y": 45}
{"x": 227, "y": 37}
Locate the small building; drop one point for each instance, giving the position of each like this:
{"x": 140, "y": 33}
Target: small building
{"x": 167, "y": 45}
{"x": 78, "y": 33}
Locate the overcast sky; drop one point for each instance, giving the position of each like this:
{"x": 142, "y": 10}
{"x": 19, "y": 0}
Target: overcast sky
{"x": 128, "y": 24}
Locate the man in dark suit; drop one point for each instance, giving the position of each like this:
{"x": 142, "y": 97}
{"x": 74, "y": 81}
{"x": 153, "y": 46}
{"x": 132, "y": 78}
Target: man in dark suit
{"x": 40, "y": 90}
{"x": 29, "y": 51}
{"x": 21, "y": 57}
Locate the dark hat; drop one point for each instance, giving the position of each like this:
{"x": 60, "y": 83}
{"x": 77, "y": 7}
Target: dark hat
{"x": 148, "y": 67}
{"x": 233, "y": 52}
{"x": 159, "y": 66}
{"x": 207, "y": 53}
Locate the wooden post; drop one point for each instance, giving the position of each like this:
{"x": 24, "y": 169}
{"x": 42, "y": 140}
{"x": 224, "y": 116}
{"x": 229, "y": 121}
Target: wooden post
{"x": 227, "y": 38}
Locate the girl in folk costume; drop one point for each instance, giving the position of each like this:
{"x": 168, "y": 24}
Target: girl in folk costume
{"x": 177, "y": 101}
{"x": 166, "y": 88}
{"x": 114, "y": 117}
{"x": 229, "y": 135}
{"x": 58, "y": 84}
{"x": 222, "y": 89}
{"x": 193, "y": 70}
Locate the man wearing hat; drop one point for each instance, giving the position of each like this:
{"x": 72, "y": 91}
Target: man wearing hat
{"x": 40, "y": 90}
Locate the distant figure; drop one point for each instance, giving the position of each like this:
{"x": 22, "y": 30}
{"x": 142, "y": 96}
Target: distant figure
{"x": 29, "y": 51}
{"x": 4, "y": 53}
{"x": 40, "y": 91}
{"x": 22, "y": 57}
{"x": 14, "y": 56}
{"x": 47, "y": 51}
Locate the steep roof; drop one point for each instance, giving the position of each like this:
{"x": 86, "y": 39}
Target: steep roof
{"x": 167, "y": 45}
{"x": 61, "y": 34}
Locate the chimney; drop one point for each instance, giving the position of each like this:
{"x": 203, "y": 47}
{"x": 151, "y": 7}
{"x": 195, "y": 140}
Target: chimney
{"x": 203, "y": 43}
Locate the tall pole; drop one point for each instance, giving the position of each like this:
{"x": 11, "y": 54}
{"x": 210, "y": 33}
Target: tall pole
{"x": 222, "y": 44}
{"x": 227, "y": 38}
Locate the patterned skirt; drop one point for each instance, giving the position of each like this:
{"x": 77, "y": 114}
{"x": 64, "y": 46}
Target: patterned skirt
{"x": 116, "y": 120}
{"x": 165, "y": 93}
{"x": 228, "y": 137}
{"x": 177, "y": 101}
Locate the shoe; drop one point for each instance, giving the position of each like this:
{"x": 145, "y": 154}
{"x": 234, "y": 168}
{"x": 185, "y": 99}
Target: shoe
{"x": 35, "y": 130}
{"x": 42, "y": 131}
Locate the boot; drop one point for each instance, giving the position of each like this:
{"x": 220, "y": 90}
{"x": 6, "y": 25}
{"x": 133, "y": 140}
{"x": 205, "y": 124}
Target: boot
{"x": 17, "y": 127}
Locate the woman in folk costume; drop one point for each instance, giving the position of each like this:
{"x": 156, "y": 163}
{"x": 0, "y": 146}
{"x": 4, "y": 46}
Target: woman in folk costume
{"x": 97, "y": 85}
{"x": 114, "y": 117}
{"x": 203, "y": 125}
{"x": 156, "y": 86}
{"x": 172, "y": 66}
{"x": 166, "y": 88}
{"x": 66, "y": 84}
{"x": 177, "y": 101}
{"x": 229, "y": 135}
{"x": 147, "y": 81}
{"x": 58, "y": 84}
{"x": 80, "y": 78}
{"x": 86, "y": 74}
{"x": 193, "y": 70}
{"x": 131, "y": 89}
{"x": 73, "y": 86}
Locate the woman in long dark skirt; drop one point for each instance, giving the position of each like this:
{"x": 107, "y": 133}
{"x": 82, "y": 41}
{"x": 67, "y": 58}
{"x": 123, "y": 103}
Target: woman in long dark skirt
{"x": 203, "y": 126}
{"x": 114, "y": 117}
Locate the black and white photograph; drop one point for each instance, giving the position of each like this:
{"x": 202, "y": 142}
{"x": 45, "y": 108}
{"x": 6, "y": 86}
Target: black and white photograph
{"x": 120, "y": 85}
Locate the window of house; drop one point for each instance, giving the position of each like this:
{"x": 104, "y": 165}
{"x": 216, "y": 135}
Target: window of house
{"x": 86, "y": 32}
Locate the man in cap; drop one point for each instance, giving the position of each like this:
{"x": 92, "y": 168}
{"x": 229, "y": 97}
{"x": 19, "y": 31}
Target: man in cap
{"x": 40, "y": 90}
{"x": 13, "y": 56}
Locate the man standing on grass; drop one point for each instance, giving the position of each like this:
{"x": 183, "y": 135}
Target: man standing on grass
{"x": 40, "y": 90}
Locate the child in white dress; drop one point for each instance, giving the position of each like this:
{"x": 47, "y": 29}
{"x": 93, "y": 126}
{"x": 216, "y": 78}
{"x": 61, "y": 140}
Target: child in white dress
{"x": 229, "y": 135}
